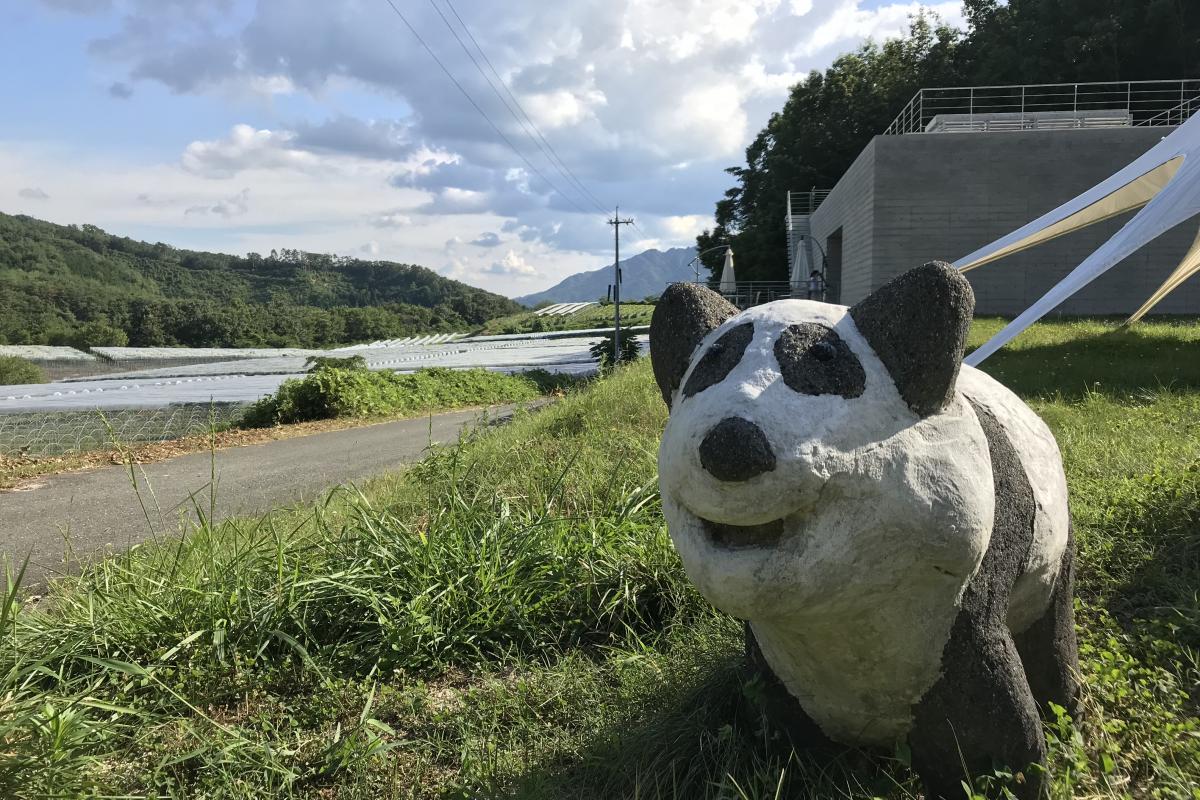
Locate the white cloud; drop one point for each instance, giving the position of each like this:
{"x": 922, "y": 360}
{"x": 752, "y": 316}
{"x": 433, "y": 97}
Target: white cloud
{"x": 513, "y": 265}
{"x": 227, "y": 207}
{"x": 488, "y": 239}
{"x": 686, "y": 227}
{"x": 391, "y": 219}
{"x": 33, "y": 193}
{"x": 245, "y": 148}
{"x": 850, "y": 21}
{"x": 350, "y": 134}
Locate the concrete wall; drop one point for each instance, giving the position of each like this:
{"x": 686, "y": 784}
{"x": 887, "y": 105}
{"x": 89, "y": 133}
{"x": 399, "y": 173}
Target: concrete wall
{"x": 851, "y": 207}
{"x": 941, "y": 196}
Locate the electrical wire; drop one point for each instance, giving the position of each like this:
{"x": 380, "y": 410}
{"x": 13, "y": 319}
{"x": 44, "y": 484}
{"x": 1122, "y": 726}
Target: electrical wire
{"x": 547, "y": 149}
{"x": 483, "y": 113}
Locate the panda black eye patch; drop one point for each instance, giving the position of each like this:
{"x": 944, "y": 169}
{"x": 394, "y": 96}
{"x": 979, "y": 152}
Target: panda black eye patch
{"x": 814, "y": 360}
{"x": 720, "y": 359}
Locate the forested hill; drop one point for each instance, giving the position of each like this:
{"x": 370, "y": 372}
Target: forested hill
{"x": 81, "y": 286}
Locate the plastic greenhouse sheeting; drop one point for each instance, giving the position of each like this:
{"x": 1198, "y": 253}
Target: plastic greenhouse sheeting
{"x": 246, "y": 380}
{"x": 45, "y": 352}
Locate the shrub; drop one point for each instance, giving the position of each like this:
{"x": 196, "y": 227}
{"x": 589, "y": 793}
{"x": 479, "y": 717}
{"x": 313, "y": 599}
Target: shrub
{"x": 329, "y": 392}
{"x": 334, "y": 362}
{"x": 14, "y": 370}
{"x": 94, "y": 334}
{"x": 603, "y": 350}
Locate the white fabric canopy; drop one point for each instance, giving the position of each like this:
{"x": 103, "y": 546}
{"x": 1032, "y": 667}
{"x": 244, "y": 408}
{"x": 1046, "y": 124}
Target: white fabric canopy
{"x": 1164, "y": 182}
{"x": 728, "y": 283}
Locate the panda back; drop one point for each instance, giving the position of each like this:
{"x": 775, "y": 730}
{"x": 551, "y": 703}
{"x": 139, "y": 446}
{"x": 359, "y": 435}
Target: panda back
{"x": 1039, "y": 455}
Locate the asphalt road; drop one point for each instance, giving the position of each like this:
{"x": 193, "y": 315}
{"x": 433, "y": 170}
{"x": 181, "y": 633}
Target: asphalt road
{"x": 61, "y": 520}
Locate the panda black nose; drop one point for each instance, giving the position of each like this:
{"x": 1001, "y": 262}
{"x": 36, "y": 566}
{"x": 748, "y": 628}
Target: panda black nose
{"x": 736, "y": 450}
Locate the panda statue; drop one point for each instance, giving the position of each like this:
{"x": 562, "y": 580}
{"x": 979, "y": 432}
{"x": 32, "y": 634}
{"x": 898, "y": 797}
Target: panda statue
{"x": 893, "y": 526}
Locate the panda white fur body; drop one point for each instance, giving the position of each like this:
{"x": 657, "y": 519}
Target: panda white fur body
{"x": 887, "y": 517}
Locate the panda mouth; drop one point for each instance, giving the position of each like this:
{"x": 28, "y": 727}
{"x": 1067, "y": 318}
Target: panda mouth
{"x": 738, "y": 537}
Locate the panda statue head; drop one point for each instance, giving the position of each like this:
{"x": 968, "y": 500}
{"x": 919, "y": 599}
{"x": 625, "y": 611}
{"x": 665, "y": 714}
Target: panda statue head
{"x": 818, "y": 459}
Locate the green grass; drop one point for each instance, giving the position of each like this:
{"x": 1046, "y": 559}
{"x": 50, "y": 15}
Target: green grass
{"x": 508, "y": 619}
{"x": 597, "y": 316}
{"x": 335, "y": 389}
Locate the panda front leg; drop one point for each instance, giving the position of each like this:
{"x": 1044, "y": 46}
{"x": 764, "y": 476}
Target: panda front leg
{"x": 978, "y": 715}
{"x": 777, "y": 704}
{"x": 1048, "y": 648}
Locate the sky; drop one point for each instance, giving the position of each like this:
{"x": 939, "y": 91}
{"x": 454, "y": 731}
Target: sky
{"x": 325, "y": 125}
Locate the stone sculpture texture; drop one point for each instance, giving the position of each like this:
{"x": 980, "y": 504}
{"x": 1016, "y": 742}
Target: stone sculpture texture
{"x": 892, "y": 525}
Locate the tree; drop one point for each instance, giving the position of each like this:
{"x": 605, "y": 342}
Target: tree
{"x": 827, "y": 120}
{"x": 14, "y": 371}
{"x": 97, "y": 334}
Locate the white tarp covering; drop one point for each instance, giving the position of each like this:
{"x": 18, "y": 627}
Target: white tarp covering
{"x": 245, "y": 380}
{"x": 186, "y": 353}
{"x": 1165, "y": 182}
{"x": 728, "y": 283}
{"x": 45, "y": 352}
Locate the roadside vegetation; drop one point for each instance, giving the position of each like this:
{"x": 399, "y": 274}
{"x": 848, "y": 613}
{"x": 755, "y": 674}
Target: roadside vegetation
{"x": 597, "y": 316}
{"x": 15, "y": 370}
{"x": 508, "y": 619}
{"x": 338, "y": 388}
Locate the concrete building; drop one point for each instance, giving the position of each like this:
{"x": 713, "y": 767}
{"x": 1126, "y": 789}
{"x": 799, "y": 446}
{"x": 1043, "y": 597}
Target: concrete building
{"x": 948, "y": 178}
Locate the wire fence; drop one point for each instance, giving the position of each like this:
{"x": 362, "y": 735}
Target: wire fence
{"x": 62, "y": 432}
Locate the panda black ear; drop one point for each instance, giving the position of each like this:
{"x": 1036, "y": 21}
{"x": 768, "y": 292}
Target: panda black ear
{"x": 684, "y": 315}
{"x": 917, "y": 324}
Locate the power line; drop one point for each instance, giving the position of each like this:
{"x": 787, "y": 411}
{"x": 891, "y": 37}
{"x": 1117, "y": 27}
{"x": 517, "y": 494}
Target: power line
{"x": 507, "y": 107}
{"x": 552, "y": 156}
{"x": 483, "y": 113}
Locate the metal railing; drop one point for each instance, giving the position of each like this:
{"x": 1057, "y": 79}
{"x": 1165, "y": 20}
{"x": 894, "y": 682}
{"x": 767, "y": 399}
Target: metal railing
{"x": 1177, "y": 115}
{"x": 805, "y": 202}
{"x": 1048, "y": 106}
{"x": 755, "y": 293}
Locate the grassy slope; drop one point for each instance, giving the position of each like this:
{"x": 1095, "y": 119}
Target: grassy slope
{"x": 590, "y": 317}
{"x": 509, "y": 619}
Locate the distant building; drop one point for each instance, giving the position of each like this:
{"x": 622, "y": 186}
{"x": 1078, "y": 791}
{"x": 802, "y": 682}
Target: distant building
{"x": 961, "y": 167}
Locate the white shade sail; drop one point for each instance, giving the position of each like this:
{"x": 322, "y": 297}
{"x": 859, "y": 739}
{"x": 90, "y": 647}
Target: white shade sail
{"x": 728, "y": 283}
{"x": 1164, "y": 183}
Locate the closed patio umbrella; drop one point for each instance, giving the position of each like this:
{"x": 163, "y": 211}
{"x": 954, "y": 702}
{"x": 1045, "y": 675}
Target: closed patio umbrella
{"x": 728, "y": 283}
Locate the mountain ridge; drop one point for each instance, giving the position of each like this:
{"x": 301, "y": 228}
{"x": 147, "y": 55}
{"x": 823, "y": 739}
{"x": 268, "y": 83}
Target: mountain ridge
{"x": 644, "y": 275}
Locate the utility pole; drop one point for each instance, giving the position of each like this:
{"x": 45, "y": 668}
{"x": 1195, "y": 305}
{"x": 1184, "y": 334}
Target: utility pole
{"x": 617, "y": 222}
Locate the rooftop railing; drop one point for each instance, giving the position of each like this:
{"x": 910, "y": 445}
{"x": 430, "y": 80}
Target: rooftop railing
{"x": 1048, "y": 106}
{"x": 805, "y": 202}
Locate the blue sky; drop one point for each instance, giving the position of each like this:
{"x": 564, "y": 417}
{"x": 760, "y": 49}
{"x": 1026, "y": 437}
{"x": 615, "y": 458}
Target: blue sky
{"x": 322, "y": 125}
